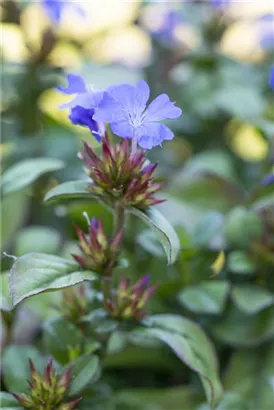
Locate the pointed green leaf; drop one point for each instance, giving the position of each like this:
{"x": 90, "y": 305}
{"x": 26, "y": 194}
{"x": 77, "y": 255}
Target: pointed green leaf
{"x": 25, "y": 172}
{"x": 191, "y": 345}
{"x": 207, "y": 297}
{"x": 69, "y": 190}
{"x": 85, "y": 370}
{"x": 251, "y": 298}
{"x": 165, "y": 232}
{"x": 62, "y": 339}
{"x": 35, "y": 273}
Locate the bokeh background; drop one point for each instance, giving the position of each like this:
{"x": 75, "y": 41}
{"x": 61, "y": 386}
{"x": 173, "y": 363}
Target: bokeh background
{"x": 214, "y": 59}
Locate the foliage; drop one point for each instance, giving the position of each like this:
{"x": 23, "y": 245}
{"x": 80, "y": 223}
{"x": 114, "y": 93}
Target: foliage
{"x": 137, "y": 279}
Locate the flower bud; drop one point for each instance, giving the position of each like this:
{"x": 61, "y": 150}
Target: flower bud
{"x": 121, "y": 175}
{"x": 129, "y": 300}
{"x": 47, "y": 391}
{"x": 99, "y": 253}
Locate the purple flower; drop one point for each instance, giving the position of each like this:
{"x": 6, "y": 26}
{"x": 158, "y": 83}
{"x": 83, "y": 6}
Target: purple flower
{"x": 83, "y": 104}
{"x": 268, "y": 180}
{"x": 125, "y": 107}
{"x": 165, "y": 33}
{"x": 219, "y": 3}
{"x": 271, "y": 77}
{"x": 266, "y": 31}
{"x": 55, "y": 8}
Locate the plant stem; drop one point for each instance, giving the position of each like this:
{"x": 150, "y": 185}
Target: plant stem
{"x": 119, "y": 218}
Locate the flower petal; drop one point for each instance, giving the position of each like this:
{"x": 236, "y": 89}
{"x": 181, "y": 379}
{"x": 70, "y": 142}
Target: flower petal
{"x": 84, "y": 117}
{"x": 161, "y": 109}
{"x": 109, "y": 110}
{"x": 75, "y": 85}
{"x": 123, "y": 129}
{"x": 152, "y": 134}
{"x": 53, "y": 8}
{"x": 86, "y": 100}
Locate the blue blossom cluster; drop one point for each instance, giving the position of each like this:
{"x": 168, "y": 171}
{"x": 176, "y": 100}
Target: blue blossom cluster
{"x": 125, "y": 108}
{"x": 55, "y": 8}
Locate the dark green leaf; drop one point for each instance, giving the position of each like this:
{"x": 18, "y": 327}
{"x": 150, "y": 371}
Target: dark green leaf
{"x": 85, "y": 370}
{"x": 69, "y": 190}
{"x": 24, "y": 173}
{"x": 240, "y": 262}
{"x": 8, "y": 402}
{"x": 241, "y": 329}
{"x": 250, "y": 374}
{"x": 207, "y": 297}
{"x": 62, "y": 340}
{"x": 37, "y": 272}
{"x": 16, "y": 369}
{"x": 191, "y": 345}
{"x": 251, "y": 299}
{"x": 165, "y": 232}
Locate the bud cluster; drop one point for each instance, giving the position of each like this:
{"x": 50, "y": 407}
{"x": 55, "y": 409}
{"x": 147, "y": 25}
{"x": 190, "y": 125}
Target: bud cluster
{"x": 47, "y": 391}
{"x": 121, "y": 175}
{"x": 129, "y": 301}
{"x": 99, "y": 253}
{"x": 74, "y": 303}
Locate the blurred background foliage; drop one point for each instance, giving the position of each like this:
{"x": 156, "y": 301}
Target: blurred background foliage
{"x": 214, "y": 59}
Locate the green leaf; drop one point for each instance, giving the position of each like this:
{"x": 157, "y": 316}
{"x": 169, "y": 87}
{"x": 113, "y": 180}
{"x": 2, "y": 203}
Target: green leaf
{"x": 85, "y": 370}
{"x": 165, "y": 232}
{"x": 38, "y": 272}
{"x": 8, "y": 402}
{"x": 241, "y": 329}
{"x": 16, "y": 369}
{"x": 69, "y": 190}
{"x": 240, "y": 262}
{"x": 230, "y": 401}
{"x": 62, "y": 340}
{"x": 251, "y": 374}
{"x": 162, "y": 398}
{"x": 25, "y": 172}
{"x": 251, "y": 299}
{"x": 5, "y": 303}
{"x": 12, "y": 216}
{"x": 191, "y": 345}
{"x": 207, "y": 228}
{"x": 37, "y": 239}
{"x": 207, "y": 297}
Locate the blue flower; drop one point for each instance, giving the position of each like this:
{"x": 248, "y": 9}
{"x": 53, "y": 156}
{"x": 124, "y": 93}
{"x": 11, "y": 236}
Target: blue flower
{"x": 266, "y": 31}
{"x": 268, "y": 180}
{"x": 55, "y": 8}
{"x": 124, "y": 107}
{"x": 271, "y": 77}
{"x": 219, "y": 3}
{"x": 166, "y": 32}
{"x": 83, "y": 105}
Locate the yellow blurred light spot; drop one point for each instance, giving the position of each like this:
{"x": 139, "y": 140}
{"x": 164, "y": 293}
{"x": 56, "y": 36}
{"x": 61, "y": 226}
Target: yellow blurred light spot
{"x": 5, "y": 150}
{"x": 218, "y": 264}
{"x": 66, "y": 55}
{"x": 241, "y": 41}
{"x": 34, "y": 22}
{"x": 12, "y": 43}
{"x": 49, "y": 103}
{"x": 249, "y": 8}
{"x": 129, "y": 45}
{"x": 100, "y": 15}
{"x": 249, "y": 144}
{"x": 186, "y": 35}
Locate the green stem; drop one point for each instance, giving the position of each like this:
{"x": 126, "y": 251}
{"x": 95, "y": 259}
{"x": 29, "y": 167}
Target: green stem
{"x": 119, "y": 218}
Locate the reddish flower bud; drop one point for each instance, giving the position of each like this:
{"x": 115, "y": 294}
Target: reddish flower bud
{"x": 129, "y": 301}
{"x": 121, "y": 175}
{"x": 47, "y": 389}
